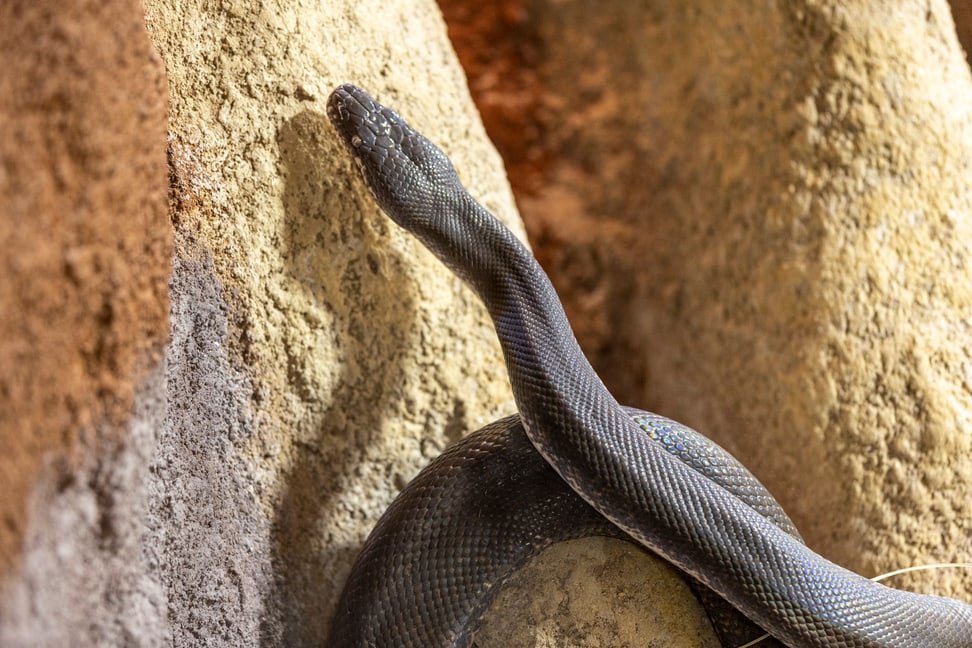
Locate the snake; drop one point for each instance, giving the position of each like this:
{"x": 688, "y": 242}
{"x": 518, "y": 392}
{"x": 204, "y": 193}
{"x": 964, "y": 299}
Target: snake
{"x": 574, "y": 462}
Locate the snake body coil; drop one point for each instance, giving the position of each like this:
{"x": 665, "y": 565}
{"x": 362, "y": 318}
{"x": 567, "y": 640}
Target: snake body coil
{"x": 436, "y": 558}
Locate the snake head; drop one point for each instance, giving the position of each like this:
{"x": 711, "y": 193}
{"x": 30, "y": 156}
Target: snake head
{"x": 403, "y": 170}
{"x": 416, "y": 185}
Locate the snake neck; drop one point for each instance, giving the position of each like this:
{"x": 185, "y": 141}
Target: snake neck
{"x": 544, "y": 361}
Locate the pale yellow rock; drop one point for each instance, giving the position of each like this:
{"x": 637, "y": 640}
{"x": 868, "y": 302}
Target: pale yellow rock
{"x": 765, "y": 213}
{"x": 366, "y": 356}
{"x": 592, "y": 593}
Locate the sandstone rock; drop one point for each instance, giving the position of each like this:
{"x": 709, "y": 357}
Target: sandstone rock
{"x": 318, "y": 356}
{"x": 788, "y": 207}
{"x": 86, "y": 247}
{"x": 596, "y": 592}
{"x": 364, "y": 356}
{"x": 760, "y": 218}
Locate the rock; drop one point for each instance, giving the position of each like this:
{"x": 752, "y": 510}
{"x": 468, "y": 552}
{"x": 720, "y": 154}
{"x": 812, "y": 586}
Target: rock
{"x": 362, "y": 356}
{"x": 86, "y": 245}
{"x": 596, "y": 592}
{"x": 792, "y": 246}
{"x": 216, "y": 490}
{"x": 759, "y": 218}
{"x": 962, "y": 12}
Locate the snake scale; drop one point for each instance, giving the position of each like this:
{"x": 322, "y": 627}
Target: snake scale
{"x": 574, "y": 462}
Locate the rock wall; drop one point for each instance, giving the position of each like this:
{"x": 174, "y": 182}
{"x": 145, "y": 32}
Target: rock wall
{"x": 86, "y": 246}
{"x": 762, "y": 213}
{"x": 360, "y": 356}
{"x": 759, "y": 218}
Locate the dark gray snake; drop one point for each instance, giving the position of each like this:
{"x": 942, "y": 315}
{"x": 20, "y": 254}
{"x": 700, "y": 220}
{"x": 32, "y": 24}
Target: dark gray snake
{"x": 438, "y": 555}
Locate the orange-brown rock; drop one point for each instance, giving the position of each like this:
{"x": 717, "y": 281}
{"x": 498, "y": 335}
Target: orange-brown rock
{"x": 84, "y": 237}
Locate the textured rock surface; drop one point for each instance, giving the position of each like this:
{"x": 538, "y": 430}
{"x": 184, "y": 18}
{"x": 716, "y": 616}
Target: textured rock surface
{"x": 761, "y": 217}
{"x": 206, "y": 532}
{"x": 796, "y": 182}
{"x": 215, "y": 493}
{"x": 85, "y": 247}
{"x": 596, "y": 592}
{"x": 364, "y": 356}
